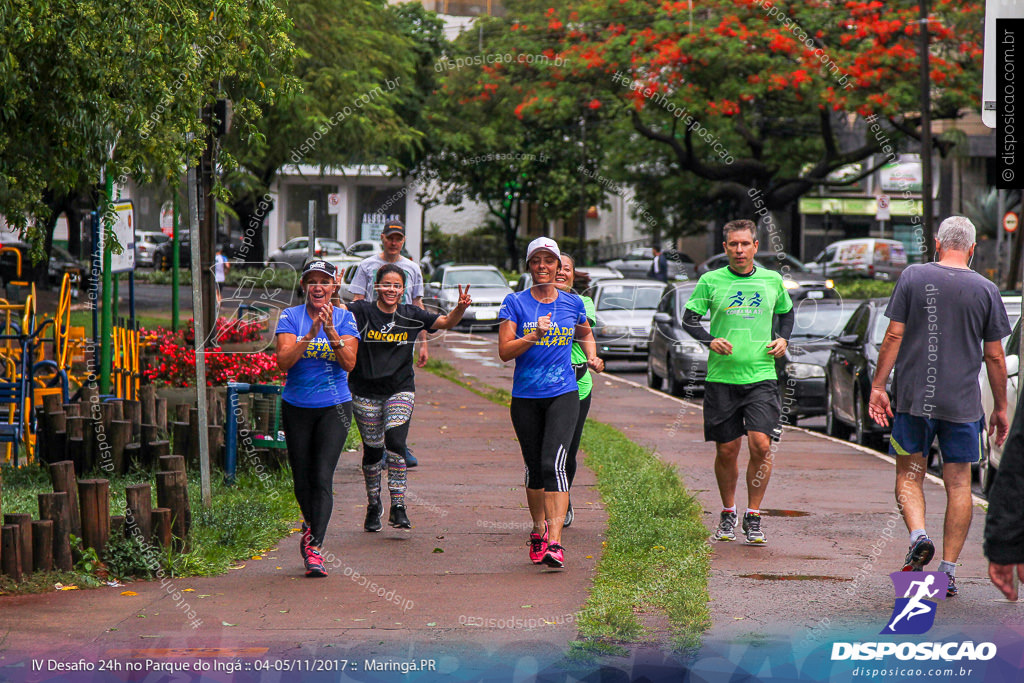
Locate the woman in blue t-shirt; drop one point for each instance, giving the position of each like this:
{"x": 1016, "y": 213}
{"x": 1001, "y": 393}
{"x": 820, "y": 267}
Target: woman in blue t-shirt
{"x": 317, "y": 345}
{"x": 537, "y": 329}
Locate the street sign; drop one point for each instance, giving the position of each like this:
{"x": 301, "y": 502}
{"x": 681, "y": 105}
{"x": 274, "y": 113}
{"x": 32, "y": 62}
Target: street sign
{"x": 1010, "y": 222}
{"x": 994, "y": 9}
{"x": 333, "y": 203}
{"x": 883, "y": 208}
{"x": 124, "y": 231}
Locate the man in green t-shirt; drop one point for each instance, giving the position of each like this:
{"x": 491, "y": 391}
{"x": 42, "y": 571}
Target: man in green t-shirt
{"x": 741, "y": 393}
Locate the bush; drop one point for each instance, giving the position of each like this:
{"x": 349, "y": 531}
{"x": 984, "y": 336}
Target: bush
{"x": 861, "y": 288}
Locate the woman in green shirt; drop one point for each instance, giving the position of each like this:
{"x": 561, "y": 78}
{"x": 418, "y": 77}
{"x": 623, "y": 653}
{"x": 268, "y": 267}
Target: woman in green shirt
{"x": 568, "y": 280}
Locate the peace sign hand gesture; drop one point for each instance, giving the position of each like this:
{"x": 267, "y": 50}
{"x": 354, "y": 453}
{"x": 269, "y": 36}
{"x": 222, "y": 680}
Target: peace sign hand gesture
{"x": 464, "y": 299}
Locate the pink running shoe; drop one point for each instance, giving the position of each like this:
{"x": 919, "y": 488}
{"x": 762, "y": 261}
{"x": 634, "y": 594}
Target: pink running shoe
{"x": 538, "y": 546}
{"x": 555, "y": 556}
{"x": 314, "y": 564}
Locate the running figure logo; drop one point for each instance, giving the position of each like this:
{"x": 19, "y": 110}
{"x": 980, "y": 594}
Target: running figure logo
{"x": 913, "y": 613}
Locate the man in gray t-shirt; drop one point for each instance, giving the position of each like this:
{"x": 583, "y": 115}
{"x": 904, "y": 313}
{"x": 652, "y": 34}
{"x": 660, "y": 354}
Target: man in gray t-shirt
{"x": 392, "y": 240}
{"x": 944, "y": 319}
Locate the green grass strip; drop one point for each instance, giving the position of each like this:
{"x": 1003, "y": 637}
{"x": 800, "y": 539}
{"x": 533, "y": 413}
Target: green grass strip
{"x": 656, "y": 557}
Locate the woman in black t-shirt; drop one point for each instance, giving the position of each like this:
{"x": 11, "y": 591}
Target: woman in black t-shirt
{"x": 383, "y": 386}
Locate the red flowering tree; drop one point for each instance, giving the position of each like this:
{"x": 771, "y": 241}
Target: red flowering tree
{"x": 741, "y": 93}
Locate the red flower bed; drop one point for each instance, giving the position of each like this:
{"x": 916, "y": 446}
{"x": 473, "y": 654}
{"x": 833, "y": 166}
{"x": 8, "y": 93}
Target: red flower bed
{"x": 175, "y": 362}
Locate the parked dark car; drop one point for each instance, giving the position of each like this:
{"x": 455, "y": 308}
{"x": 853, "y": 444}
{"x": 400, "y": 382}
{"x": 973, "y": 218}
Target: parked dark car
{"x": 672, "y": 353}
{"x": 848, "y": 374}
{"x": 163, "y": 257}
{"x": 799, "y": 282}
{"x": 637, "y": 264}
{"x": 816, "y": 328}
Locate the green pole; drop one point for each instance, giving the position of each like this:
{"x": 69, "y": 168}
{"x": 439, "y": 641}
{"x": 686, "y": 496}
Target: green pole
{"x": 174, "y": 266}
{"x": 106, "y": 322}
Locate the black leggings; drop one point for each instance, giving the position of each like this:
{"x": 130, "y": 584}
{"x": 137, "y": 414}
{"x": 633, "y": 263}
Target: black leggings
{"x": 544, "y": 427}
{"x": 570, "y": 462}
{"x": 315, "y": 437}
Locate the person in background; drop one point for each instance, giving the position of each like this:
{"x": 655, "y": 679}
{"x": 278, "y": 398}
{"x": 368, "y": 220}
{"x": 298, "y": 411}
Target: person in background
{"x": 659, "y": 265}
{"x": 568, "y": 279}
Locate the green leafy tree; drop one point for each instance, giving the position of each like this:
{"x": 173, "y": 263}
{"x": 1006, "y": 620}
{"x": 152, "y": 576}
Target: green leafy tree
{"x": 741, "y": 93}
{"x": 359, "y": 65}
{"x": 89, "y": 87}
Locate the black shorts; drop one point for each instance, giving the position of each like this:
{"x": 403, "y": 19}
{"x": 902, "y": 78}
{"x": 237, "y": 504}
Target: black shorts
{"x": 732, "y": 410}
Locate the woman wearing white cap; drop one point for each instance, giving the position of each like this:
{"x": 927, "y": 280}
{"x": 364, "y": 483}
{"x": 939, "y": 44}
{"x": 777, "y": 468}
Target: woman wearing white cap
{"x": 317, "y": 345}
{"x": 537, "y": 330}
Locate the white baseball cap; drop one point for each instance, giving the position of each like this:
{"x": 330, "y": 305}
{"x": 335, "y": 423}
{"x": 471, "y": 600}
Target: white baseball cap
{"x": 542, "y": 244}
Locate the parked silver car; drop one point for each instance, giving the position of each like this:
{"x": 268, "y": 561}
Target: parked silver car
{"x": 295, "y": 251}
{"x": 992, "y": 454}
{"x": 488, "y": 289}
{"x": 145, "y": 244}
{"x": 625, "y": 309}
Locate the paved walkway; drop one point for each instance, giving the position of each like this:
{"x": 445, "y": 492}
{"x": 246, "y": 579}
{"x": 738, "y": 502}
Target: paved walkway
{"x": 457, "y": 588}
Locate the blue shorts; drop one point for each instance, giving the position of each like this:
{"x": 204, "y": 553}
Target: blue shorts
{"x": 959, "y": 441}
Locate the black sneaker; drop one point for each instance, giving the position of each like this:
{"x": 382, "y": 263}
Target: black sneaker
{"x": 569, "y": 515}
{"x": 726, "y": 527}
{"x": 919, "y": 555}
{"x": 374, "y": 513}
{"x": 398, "y": 518}
{"x": 951, "y": 589}
{"x": 752, "y": 529}
{"x": 410, "y": 461}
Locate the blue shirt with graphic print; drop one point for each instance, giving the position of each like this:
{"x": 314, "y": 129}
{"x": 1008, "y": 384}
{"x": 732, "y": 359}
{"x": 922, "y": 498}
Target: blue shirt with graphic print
{"x": 545, "y": 370}
{"x": 316, "y": 380}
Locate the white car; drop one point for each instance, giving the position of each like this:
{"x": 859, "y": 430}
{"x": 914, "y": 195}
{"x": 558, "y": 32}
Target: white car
{"x": 145, "y": 244}
{"x": 992, "y": 454}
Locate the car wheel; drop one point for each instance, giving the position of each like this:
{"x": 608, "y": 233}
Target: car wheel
{"x": 653, "y": 380}
{"x": 676, "y": 386}
{"x": 862, "y": 429}
{"x": 833, "y": 427}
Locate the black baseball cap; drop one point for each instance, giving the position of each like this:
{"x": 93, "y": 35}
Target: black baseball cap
{"x": 318, "y": 266}
{"x": 393, "y": 226}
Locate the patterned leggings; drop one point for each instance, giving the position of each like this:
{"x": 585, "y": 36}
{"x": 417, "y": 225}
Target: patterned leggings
{"x": 384, "y": 426}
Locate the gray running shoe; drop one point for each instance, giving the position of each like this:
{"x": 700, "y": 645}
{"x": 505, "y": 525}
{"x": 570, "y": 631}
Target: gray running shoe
{"x": 752, "y": 528}
{"x": 569, "y": 515}
{"x": 726, "y": 526}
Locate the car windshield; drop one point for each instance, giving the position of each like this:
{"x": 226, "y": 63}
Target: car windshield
{"x": 485, "y": 277}
{"x": 628, "y": 298}
{"x": 817, "y": 321}
{"x": 157, "y": 237}
{"x": 881, "y": 324}
{"x": 331, "y": 246}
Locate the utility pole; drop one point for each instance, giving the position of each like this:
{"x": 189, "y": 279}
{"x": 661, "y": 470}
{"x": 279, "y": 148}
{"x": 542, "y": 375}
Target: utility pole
{"x": 926, "y": 135}
{"x": 205, "y": 240}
